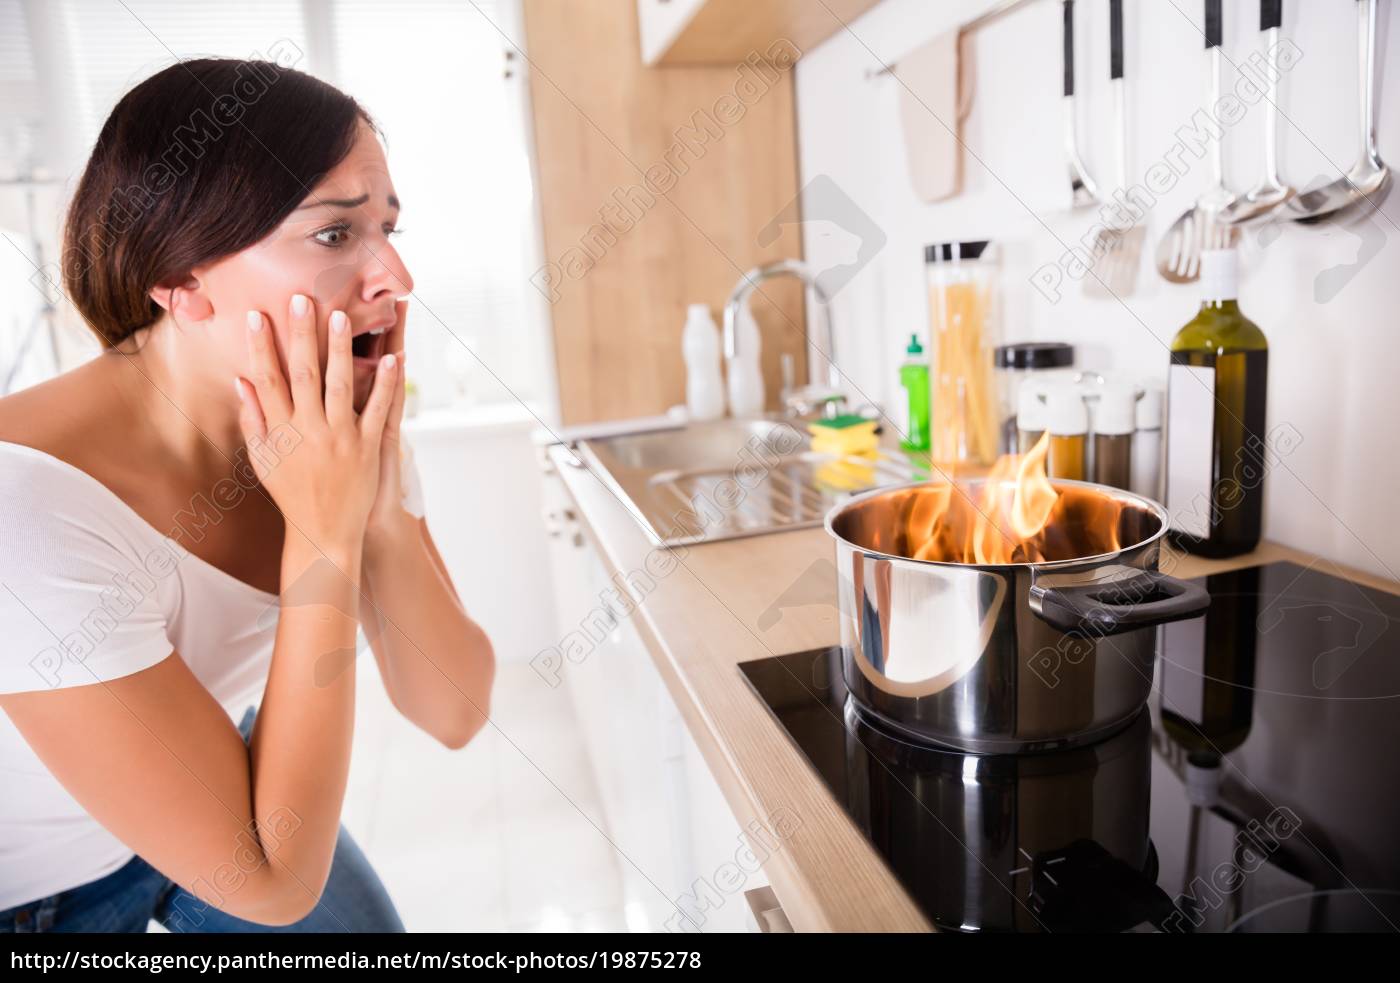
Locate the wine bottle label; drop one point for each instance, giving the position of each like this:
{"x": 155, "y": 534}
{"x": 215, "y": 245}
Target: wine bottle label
{"x": 1190, "y": 440}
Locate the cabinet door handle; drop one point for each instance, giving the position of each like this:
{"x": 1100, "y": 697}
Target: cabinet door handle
{"x": 559, "y": 521}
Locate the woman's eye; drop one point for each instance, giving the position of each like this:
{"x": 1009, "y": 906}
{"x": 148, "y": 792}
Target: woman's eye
{"x": 393, "y": 232}
{"x": 336, "y": 235}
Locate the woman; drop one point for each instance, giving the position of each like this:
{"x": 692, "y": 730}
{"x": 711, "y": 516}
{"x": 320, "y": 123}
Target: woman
{"x": 210, "y": 509}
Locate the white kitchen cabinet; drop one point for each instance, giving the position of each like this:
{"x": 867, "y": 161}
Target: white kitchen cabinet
{"x": 665, "y": 806}
{"x": 481, "y": 492}
{"x": 664, "y": 813}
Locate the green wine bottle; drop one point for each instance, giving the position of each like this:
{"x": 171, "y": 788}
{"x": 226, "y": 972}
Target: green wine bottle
{"x": 1216, "y": 392}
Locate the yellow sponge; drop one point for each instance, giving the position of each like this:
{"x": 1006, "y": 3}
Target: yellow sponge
{"x": 844, "y": 443}
{"x": 844, "y": 435}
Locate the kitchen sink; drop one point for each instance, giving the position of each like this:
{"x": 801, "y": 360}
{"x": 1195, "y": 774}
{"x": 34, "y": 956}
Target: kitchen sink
{"x": 726, "y": 479}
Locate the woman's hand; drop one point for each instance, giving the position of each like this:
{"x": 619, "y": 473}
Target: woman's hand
{"x": 387, "y": 517}
{"x": 319, "y": 462}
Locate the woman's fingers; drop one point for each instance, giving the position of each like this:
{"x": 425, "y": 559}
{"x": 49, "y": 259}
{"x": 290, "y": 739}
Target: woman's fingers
{"x": 393, "y": 341}
{"x": 340, "y": 372}
{"x": 250, "y": 415}
{"x": 251, "y": 422}
{"x": 328, "y": 490}
{"x": 381, "y": 398}
{"x": 304, "y": 357}
{"x": 266, "y": 375}
{"x": 395, "y": 347}
{"x": 395, "y": 418}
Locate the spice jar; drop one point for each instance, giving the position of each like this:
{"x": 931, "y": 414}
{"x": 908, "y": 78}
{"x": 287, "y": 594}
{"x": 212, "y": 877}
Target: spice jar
{"x": 1030, "y": 416}
{"x": 1016, "y": 365}
{"x": 1115, "y": 419}
{"x": 1067, "y": 419}
{"x": 1147, "y": 445}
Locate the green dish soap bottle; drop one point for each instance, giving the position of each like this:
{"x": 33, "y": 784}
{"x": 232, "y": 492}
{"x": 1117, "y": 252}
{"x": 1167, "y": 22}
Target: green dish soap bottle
{"x": 1216, "y": 390}
{"x": 913, "y": 383}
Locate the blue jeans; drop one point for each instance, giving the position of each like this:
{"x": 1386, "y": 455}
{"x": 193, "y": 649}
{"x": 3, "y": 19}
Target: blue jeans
{"x": 126, "y": 900}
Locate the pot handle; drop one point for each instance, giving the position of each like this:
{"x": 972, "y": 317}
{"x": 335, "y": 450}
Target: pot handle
{"x": 1145, "y": 599}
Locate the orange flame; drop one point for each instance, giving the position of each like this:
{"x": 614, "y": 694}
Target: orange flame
{"x": 1017, "y": 516}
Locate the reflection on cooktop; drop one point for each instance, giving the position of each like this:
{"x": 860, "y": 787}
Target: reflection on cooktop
{"x": 1258, "y": 791}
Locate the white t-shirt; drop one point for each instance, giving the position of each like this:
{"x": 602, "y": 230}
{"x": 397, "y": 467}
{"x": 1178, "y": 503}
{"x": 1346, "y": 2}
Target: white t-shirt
{"x": 89, "y": 592}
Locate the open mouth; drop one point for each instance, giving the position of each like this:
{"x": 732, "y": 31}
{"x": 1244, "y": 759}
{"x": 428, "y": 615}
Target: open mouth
{"x": 368, "y": 347}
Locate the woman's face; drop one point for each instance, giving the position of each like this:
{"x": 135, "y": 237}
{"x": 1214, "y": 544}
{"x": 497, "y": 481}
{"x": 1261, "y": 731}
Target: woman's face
{"x": 334, "y": 248}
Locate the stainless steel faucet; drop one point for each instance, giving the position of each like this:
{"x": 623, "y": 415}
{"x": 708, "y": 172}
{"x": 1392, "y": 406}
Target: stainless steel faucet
{"x": 825, "y": 398}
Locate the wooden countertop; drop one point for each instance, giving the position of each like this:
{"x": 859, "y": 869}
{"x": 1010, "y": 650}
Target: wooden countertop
{"x": 714, "y": 609}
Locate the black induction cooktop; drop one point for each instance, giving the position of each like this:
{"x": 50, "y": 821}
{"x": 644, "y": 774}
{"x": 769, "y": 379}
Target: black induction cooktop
{"x": 1259, "y": 790}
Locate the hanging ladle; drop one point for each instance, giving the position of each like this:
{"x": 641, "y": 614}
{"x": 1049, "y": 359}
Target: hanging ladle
{"x": 1369, "y": 175}
{"x": 1270, "y": 192}
{"x": 1084, "y": 191}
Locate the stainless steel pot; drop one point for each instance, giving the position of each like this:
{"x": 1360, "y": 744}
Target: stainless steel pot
{"x": 1007, "y": 657}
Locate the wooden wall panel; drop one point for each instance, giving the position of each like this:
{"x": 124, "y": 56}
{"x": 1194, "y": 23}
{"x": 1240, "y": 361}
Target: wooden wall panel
{"x": 722, "y": 24}
{"x": 602, "y": 120}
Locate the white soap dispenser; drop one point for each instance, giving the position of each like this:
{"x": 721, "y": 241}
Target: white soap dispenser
{"x": 745, "y": 378}
{"x": 700, "y": 343}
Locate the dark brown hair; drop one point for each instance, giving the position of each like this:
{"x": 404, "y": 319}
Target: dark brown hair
{"x": 199, "y": 161}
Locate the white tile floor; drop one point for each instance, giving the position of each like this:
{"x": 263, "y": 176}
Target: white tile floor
{"x": 502, "y": 835}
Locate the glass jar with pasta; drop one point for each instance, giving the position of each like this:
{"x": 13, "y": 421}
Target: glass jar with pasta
{"x": 963, "y": 418}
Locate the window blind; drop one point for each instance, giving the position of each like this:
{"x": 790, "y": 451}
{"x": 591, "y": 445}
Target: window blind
{"x": 430, "y": 73}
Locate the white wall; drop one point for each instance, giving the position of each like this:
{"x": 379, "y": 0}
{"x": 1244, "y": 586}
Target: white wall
{"x": 1333, "y": 366}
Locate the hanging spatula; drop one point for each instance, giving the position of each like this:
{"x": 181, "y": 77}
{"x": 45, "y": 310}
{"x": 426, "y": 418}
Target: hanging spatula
{"x": 1199, "y": 227}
